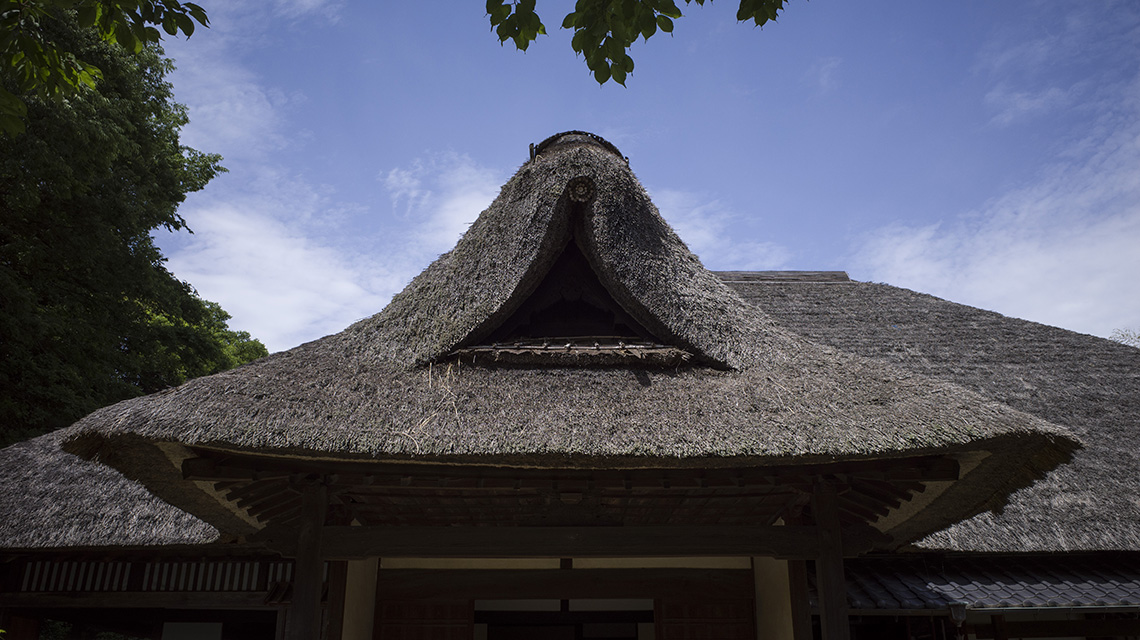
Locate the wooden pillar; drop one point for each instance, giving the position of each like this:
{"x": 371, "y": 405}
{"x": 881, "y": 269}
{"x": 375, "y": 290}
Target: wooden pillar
{"x": 774, "y": 608}
{"x": 798, "y": 589}
{"x": 1000, "y": 632}
{"x": 303, "y": 620}
{"x": 831, "y": 584}
{"x": 335, "y": 607}
{"x": 801, "y": 603}
{"x": 360, "y": 599}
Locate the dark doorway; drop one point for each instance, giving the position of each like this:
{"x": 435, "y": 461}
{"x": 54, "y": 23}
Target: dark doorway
{"x": 573, "y": 620}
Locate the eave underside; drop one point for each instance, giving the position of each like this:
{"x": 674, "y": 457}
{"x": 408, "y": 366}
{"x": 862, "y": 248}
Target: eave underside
{"x": 403, "y": 500}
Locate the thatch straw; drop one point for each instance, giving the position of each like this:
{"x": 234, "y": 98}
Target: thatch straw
{"x": 385, "y": 389}
{"x": 52, "y": 499}
{"x": 1089, "y": 385}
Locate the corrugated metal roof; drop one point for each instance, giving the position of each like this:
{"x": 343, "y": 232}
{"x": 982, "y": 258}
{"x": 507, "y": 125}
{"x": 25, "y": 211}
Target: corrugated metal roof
{"x": 993, "y": 582}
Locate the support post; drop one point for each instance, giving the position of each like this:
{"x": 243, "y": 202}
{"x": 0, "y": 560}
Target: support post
{"x": 798, "y": 588}
{"x": 360, "y": 599}
{"x": 774, "y": 609}
{"x": 335, "y": 606}
{"x": 1000, "y": 632}
{"x": 801, "y": 604}
{"x": 303, "y": 621}
{"x": 831, "y": 584}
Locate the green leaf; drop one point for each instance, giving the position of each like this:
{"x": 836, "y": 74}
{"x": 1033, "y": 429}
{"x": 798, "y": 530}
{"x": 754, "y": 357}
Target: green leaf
{"x": 531, "y": 22}
{"x": 11, "y": 125}
{"x": 667, "y": 8}
{"x": 199, "y": 14}
{"x": 618, "y": 75}
{"x": 578, "y": 41}
{"x": 185, "y": 23}
{"x": 569, "y": 21}
{"x": 602, "y": 73}
{"x": 747, "y": 10}
{"x": 665, "y": 24}
{"x": 123, "y": 36}
{"x": 87, "y": 15}
{"x": 498, "y": 11}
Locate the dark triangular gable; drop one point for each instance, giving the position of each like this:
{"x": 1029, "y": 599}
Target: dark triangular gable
{"x": 570, "y": 303}
{"x": 571, "y": 318}
{"x": 576, "y": 198}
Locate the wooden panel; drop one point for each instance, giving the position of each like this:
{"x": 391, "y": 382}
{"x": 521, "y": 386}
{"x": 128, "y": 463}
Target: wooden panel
{"x": 684, "y": 619}
{"x": 136, "y": 600}
{"x": 508, "y": 584}
{"x": 424, "y": 620}
{"x": 346, "y": 543}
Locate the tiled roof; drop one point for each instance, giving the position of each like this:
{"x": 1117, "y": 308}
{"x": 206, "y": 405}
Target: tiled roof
{"x": 933, "y": 583}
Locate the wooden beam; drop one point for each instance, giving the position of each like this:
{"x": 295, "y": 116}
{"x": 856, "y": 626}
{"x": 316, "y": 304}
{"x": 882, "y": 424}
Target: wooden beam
{"x": 509, "y": 584}
{"x": 303, "y": 621}
{"x": 347, "y": 543}
{"x": 213, "y": 465}
{"x": 1110, "y": 628}
{"x": 831, "y": 584}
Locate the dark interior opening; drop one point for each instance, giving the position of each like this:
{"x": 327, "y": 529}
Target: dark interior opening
{"x": 570, "y": 302}
{"x": 581, "y": 625}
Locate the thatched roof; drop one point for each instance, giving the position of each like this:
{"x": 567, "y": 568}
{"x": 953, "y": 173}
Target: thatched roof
{"x": 52, "y": 499}
{"x": 1088, "y": 384}
{"x": 389, "y": 388}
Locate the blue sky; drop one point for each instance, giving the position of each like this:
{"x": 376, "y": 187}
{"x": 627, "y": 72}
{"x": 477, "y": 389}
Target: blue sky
{"x": 984, "y": 152}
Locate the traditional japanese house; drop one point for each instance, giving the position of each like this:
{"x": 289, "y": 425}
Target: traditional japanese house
{"x": 567, "y": 427}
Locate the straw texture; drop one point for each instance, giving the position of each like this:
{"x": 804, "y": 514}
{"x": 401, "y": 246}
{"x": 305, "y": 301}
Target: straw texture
{"x": 52, "y": 499}
{"x": 386, "y": 389}
{"x": 1088, "y": 384}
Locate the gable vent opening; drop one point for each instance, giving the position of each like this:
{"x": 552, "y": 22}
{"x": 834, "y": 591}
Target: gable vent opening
{"x": 572, "y": 319}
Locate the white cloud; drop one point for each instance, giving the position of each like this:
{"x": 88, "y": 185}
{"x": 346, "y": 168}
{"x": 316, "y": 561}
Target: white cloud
{"x": 1038, "y": 67}
{"x": 278, "y": 284}
{"x": 1013, "y": 106}
{"x": 823, "y": 74}
{"x": 707, "y": 227}
{"x": 266, "y": 242}
{"x": 231, "y": 111}
{"x": 1063, "y": 251}
{"x": 327, "y": 9}
{"x": 442, "y": 194}
{"x": 267, "y": 245}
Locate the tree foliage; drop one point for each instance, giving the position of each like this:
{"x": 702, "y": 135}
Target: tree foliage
{"x": 34, "y": 63}
{"x": 89, "y": 315}
{"x": 604, "y": 30}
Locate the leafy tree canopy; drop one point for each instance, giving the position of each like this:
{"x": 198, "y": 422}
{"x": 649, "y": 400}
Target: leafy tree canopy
{"x": 34, "y": 63}
{"x": 604, "y": 30}
{"x": 89, "y": 315}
